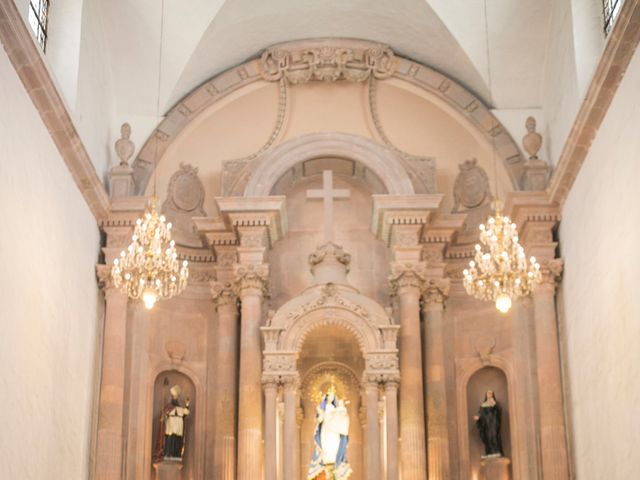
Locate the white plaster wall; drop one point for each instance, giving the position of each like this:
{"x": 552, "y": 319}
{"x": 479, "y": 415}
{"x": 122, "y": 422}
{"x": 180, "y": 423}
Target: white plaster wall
{"x": 599, "y": 237}
{"x": 49, "y": 315}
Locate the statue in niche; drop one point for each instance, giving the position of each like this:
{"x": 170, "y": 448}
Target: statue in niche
{"x": 331, "y": 437}
{"x": 488, "y": 423}
{"x": 170, "y": 443}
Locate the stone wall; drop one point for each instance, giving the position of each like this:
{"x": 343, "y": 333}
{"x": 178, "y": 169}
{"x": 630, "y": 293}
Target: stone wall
{"x": 50, "y": 305}
{"x": 599, "y": 238}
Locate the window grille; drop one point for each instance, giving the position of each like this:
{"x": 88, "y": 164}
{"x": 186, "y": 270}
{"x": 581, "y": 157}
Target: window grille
{"x": 611, "y": 9}
{"x": 38, "y": 16}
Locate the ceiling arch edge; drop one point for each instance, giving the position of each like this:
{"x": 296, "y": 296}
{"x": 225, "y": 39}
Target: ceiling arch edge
{"x": 327, "y": 60}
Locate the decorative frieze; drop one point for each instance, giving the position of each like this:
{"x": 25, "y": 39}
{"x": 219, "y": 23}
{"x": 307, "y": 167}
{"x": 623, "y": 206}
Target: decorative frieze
{"x": 329, "y": 61}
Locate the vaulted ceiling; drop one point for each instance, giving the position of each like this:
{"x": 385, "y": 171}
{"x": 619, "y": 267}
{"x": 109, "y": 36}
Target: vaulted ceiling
{"x": 203, "y": 38}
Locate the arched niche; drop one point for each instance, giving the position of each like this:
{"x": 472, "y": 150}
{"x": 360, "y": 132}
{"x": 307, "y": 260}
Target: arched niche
{"x": 487, "y": 378}
{"x": 161, "y": 397}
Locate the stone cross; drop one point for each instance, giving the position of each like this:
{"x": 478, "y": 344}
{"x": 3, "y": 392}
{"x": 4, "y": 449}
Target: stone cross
{"x": 327, "y": 194}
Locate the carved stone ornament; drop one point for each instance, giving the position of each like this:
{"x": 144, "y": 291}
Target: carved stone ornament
{"x": 330, "y": 297}
{"x": 251, "y": 278}
{"x": 435, "y": 291}
{"x": 223, "y": 295}
{"x": 532, "y": 141}
{"x": 185, "y": 193}
{"x": 484, "y": 346}
{"x": 327, "y": 63}
{"x": 552, "y": 271}
{"x": 407, "y": 276}
{"x": 332, "y": 250}
{"x": 471, "y": 188}
{"x": 124, "y": 146}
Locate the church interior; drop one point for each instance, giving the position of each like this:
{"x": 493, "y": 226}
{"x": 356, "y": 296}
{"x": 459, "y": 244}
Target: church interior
{"x": 319, "y": 240}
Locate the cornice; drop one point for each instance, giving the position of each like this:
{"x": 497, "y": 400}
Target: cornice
{"x": 30, "y": 65}
{"x": 617, "y": 55}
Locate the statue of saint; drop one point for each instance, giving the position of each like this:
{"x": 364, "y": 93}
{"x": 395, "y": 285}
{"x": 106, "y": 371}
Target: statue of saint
{"x": 331, "y": 438}
{"x": 488, "y": 423}
{"x": 170, "y": 444}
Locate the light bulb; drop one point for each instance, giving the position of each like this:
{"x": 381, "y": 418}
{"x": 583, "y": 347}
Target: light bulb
{"x": 503, "y": 302}
{"x": 149, "y": 298}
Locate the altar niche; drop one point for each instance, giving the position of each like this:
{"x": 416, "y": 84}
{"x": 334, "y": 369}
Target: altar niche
{"x": 163, "y": 384}
{"x": 331, "y": 357}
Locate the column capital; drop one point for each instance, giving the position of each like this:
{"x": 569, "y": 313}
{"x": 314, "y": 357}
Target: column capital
{"x": 391, "y": 381}
{"x": 551, "y": 272}
{"x": 434, "y": 293}
{"x": 290, "y": 382}
{"x": 251, "y": 279}
{"x": 223, "y": 295}
{"x": 270, "y": 383}
{"x": 407, "y": 277}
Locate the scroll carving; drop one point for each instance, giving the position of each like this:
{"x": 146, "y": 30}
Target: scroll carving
{"x": 327, "y": 63}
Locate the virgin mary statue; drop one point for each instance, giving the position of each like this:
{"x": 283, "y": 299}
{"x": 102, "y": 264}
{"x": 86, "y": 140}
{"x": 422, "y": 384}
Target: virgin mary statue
{"x": 331, "y": 438}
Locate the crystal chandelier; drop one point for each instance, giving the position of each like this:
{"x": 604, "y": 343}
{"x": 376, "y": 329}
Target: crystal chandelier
{"x": 500, "y": 271}
{"x": 149, "y": 268}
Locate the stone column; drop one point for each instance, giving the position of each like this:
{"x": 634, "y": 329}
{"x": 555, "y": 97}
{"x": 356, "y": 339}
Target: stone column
{"x": 110, "y": 436}
{"x": 251, "y": 287}
{"x": 407, "y": 284}
{"x": 552, "y": 429}
{"x": 391, "y": 398}
{"x": 226, "y": 304}
{"x": 434, "y": 295}
{"x": 270, "y": 387}
{"x": 373, "y": 431}
{"x": 290, "y": 427}
{"x": 299, "y": 420}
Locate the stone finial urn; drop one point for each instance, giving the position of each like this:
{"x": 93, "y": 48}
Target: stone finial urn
{"x": 532, "y": 141}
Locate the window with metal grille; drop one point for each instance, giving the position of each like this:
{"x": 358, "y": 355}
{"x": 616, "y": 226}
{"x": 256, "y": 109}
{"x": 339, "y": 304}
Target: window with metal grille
{"x": 611, "y": 9}
{"x": 38, "y": 15}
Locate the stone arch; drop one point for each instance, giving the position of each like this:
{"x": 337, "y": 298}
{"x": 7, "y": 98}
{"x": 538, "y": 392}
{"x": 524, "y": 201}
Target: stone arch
{"x": 433, "y": 83}
{"x": 379, "y": 159}
{"x": 367, "y": 335}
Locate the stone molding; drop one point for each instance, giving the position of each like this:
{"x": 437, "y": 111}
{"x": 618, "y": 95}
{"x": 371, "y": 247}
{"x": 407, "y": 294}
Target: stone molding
{"x": 618, "y": 52}
{"x": 427, "y": 79}
{"x": 422, "y": 170}
{"x": 29, "y": 63}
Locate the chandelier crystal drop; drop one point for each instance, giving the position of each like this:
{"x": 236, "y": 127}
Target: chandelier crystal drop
{"x": 499, "y": 271}
{"x": 149, "y": 268}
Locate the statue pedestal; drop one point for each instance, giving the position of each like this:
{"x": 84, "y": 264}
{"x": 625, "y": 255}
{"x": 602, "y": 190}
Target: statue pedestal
{"x": 495, "y": 468}
{"x": 168, "y": 470}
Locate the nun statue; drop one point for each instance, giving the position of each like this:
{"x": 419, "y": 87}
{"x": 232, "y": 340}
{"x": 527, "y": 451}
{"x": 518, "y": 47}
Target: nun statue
{"x": 331, "y": 437}
{"x": 488, "y": 422}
